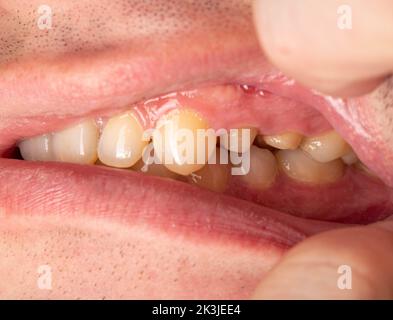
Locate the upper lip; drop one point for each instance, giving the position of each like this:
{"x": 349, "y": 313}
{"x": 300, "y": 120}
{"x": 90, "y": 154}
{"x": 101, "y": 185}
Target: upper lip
{"x": 41, "y": 96}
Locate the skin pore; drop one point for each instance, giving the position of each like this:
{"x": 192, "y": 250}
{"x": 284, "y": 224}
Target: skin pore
{"x": 89, "y": 256}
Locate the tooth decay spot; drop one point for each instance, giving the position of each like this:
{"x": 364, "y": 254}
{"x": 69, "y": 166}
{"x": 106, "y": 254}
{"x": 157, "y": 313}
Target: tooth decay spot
{"x": 122, "y": 142}
{"x": 183, "y": 141}
{"x": 301, "y": 167}
{"x": 325, "y": 147}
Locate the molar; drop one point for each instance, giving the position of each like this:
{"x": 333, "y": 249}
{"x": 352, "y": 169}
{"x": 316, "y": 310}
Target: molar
{"x": 299, "y": 166}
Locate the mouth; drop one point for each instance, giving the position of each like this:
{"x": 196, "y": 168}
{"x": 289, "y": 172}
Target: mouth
{"x": 316, "y": 163}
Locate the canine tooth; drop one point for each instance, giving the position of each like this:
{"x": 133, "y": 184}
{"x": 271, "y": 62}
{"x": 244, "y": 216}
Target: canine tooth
{"x": 299, "y": 166}
{"x": 263, "y": 169}
{"x": 37, "y": 148}
{"x": 122, "y": 142}
{"x": 325, "y": 147}
{"x": 234, "y": 140}
{"x": 350, "y": 158}
{"x": 213, "y": 176}
{"x": 77, "y": 144}
{"x": 289, "y": 140}
{"x": 183, "y": 141}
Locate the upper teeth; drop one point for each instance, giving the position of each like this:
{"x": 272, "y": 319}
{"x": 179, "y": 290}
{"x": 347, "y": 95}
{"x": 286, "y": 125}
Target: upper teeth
{"x": 325, "y": 147}
{"x": 123, "y": 142}
{"x": 289, "y": 140}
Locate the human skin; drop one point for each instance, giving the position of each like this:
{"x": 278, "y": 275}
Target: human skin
{"x": 339, "y": 65}
{"x": 84, "y": 224}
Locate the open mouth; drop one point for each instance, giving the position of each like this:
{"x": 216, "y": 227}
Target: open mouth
{"x": 74, "y": 162}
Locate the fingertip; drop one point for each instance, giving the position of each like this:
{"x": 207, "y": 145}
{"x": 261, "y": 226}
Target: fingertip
{"x": 351, "y": 263}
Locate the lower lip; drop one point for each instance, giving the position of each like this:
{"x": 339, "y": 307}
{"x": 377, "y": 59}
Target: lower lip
{"x": 177, "y": 241}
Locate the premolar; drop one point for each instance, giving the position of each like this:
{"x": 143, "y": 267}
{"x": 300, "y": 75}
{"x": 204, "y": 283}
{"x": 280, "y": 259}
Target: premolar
{"x": 122, "y": 142}
{"x": 301, "y": 167}
{"x": 325, "y": 147}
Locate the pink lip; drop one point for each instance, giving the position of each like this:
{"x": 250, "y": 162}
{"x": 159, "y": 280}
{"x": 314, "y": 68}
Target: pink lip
{"x": 53, "y": 93}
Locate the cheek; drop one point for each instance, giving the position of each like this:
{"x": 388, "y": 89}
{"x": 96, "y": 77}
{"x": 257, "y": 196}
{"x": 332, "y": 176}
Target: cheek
{"x": 81, "y": 259}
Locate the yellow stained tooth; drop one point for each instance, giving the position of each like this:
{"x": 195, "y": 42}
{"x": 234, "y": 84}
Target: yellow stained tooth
{"x": 289, "y": 140}
{"x": 301, "y": 167}
{"x": 239, "y": 139}
{"x": 122, "y": 141}
{"x": 325, "y": 147}
{"x": 213, "y": 176}
{"x": 77, "y": 144}
{"x": 154, "y": 169}
{"x": 37, "y": 148}
{"x": 263, "y": 169}
{"x": 350, "y": 158}
{"x": 183, "y": 141}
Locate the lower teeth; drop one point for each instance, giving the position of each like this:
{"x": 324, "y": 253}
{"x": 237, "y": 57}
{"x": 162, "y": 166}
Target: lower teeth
{"x": 312, "y": 160}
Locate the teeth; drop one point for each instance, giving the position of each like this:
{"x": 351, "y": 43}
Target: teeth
{"x": 239, "y": 140}
{"x": 289, "y": 140}
{"x": 37, "y": 148}
{"x": 77, "y": 144}
{"x": 183, "y": 141}
{"x": 154, "y": 169}
{"x": 121, "y": 144}
{"x": 212, "y": 176}
{"x": 350, "y": 158}
{"x": 299, "y": 166}
{"x": 325, "y": 147}
{"x": 263, "y": 169}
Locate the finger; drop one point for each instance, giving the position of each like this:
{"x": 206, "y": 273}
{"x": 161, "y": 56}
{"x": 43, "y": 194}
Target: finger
{"x": 326, "y": 265}
{"x": 335, "y": 48}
